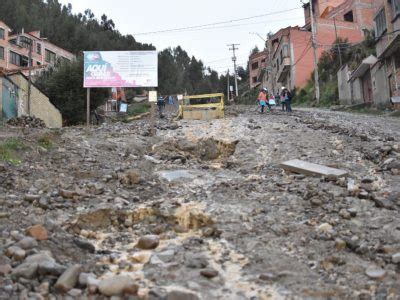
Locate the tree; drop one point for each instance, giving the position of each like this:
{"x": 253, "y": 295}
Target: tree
{"x": 255, "y": 51}
{"x": 64, "y": 86}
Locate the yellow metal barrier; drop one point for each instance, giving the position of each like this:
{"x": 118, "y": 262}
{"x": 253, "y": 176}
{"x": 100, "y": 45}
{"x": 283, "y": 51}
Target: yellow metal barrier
{"x": 193, "y": 107}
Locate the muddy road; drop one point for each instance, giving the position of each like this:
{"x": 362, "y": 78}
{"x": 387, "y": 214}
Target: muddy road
{"x": 203, "y": 210}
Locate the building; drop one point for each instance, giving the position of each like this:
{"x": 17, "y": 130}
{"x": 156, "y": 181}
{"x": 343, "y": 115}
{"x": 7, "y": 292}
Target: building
{"x": 14, "y": 51}
{"x": 14, "y": 100}
{"x": 376, "y": 82}
{"x": 291, "y": 57}
{"x": 257, "y": 65}
{"x": 387, "y": 30}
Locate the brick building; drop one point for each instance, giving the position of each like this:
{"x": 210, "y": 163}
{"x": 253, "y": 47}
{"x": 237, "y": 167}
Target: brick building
{"x": 257, "y": 65}
{"x": 14, "y": 50}
{"x": 291, "y": 59}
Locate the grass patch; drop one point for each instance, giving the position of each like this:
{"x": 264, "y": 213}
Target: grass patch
{"x": 9, "y": 150}
{"x": 45, "y": 142}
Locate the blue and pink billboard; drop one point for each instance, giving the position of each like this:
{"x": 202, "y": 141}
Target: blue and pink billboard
{"x": 120, "y": 69}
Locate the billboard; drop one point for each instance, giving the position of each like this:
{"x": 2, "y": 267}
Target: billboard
{"x": 120, "y": 69}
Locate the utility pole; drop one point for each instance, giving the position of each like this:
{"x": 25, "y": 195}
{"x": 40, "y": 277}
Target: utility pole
{"x": 30, "y": 77}
{"x": 314, "y": 45}
{"x": 234, "y": 65}
{"x": 338, "y": 46}
{"x": 228, "y": 91}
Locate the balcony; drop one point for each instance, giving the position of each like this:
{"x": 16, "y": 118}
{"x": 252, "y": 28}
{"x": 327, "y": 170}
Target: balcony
{"x": 284, "y": 69}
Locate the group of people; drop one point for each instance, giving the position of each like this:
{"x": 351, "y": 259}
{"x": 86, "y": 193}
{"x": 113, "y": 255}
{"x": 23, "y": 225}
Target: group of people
{"x": 266, "y": 99}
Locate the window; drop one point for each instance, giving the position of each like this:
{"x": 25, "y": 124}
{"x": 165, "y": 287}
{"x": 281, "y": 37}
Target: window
{"x": 254, "y": 65}
{"x": 396, "y": 8}
{"x": 50, "y": 57}
{"x": 380, "y": 23}
{"x": 396, "y": 61}
{"x": 18, "y": 60}
{"x": 39, "y": 48}
{"x": 2, "y": 34}
{"x": 254, "y": 79}
{"x": 25, "y": 42}
{"x": 263, "y": 60}
{"x": 349, "y": 17}
{"x": 1, "y": 52}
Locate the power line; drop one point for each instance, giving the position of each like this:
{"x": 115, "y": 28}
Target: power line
{"x": 216, "y": 23}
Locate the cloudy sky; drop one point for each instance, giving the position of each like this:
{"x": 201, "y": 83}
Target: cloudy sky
{"x": 208, "y": 43}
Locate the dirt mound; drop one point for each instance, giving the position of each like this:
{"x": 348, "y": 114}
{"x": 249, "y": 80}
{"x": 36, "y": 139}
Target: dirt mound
{"x": 27, "y": 121}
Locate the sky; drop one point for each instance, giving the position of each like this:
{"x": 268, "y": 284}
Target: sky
{"x": 208, "y": 43}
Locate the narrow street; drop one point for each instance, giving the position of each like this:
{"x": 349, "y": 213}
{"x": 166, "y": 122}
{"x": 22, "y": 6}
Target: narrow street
{"x": 203, "y": 209}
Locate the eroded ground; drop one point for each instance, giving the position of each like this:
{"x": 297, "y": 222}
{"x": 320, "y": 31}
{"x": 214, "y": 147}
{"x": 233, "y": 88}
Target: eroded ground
{"x": 216, "y": 215}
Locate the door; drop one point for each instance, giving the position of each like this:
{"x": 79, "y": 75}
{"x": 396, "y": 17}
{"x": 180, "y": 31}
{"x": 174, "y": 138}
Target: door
{"x": 9, "y": 100}
{"x": 367, "y": 88}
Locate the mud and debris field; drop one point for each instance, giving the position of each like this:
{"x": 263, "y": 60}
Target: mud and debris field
{"x": 202, "y": 210}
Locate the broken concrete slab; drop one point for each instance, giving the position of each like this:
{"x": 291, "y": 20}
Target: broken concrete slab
{"x": 307, "y": 168}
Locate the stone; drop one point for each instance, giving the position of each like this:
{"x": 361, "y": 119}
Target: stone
{"x": 5, "y": 269}
{"x": 15, "y": 252}
{"x": 43, "y": 289}
{"x": 31, "y": 198}
{"x": 75, "y": 293}
{"x": 344, "y": 214}
{"x": 68, "y": 279}
{"x": 306, "y": 168}
{"x": 27, "y": 243}
{"x": 176, "y": 294}
{"x": 396, "y": 258}
{"x": 148, "y": 242}
{"x": 363, "y": 194}
{"x": 195, "y": 261}
{"x": 118, "y": 286}
{"x": 25, "y": 270}
{"x": 325, "y": 227}
{"x": 130, "y": 178}
{"x": 375, "y": 272}
{"x": 340, "y": 244}
{"x": 167, "y": 255}
{"x": 43, "y": 256}
{"x": 38, "y": 232}
{"x": 140, "y": 257}
{"x": 382, "y": 202}
{"x": 85, "y": 245}
{"x": 66, "y": 194}
{"x": 85, "y": 278}
{"x": 50, "y": 268}
{"x": 209, "y": 273}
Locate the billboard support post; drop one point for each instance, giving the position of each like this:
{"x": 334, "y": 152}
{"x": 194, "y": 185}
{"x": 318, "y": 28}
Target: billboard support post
{"x": 87, "y": 107}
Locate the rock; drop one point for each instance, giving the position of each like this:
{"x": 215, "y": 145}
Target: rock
{"x": 375, "y": 272}
{"x": 85, "y": 278}
{"x": 268, "y": 276}
{"x": 5, "y": 270}
{"x": 31, "y": 198}
{"x": 195, "y": 261}
{"x": 43, "y": 289}
{"x": 396, "y": 258}
{"x": 340, "y": 244}
{"x": 148, "y": 242}
{"x": 27, "y": 243}
{"x": 344, "y": 214}
{"x": 382, "y": 202}
{"x": 38, "y": 232}
{"x": 50, "y": 268}
{"x": 368, "y": 179}
{"x": 353, "y": 212}
{"x": 44, "y": 203}
{"x": 181, "y": 295}
{"x": 363, "y": 194}
{"x": 118, "y": 286}
{"x": 68, "y": 279}
{"x": 15, "y": 252}
{"x": 75, "y": 293}
{"x": 85, "y": 245}
{"x": 167, "y": 255}
{"x": 25, "y": 270}
{"x": 209, "y": 273}
{"x": 140, "y": 258}
{"x": 325, "y": 227}
{"x": 43, "y": 256}
{"x": 66, "y": 194}
{"x": 130, "y": 178}
{"x": 394, "y": 164}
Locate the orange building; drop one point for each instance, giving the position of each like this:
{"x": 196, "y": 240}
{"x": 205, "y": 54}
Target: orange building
{"x": 291, "y": 56}
{"x": 14, "y": 50}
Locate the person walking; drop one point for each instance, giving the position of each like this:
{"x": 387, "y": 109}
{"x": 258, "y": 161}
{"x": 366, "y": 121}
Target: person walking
{"x": 262, "y": 99}
{"x": 282, "y": 97}
{"x": 288, "y": 100}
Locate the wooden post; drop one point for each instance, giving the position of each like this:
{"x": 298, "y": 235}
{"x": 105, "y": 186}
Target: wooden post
{"x": 88, "y": 107}
{"x": 152, "y": 119}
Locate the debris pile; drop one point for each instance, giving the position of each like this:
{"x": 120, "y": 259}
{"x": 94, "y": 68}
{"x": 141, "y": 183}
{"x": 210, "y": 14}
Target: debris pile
{"x": 27, "y": 121}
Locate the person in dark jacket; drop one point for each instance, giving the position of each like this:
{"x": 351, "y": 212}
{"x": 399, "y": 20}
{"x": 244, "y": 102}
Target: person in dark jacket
{"x": 288, "y": 100}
